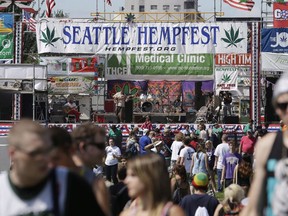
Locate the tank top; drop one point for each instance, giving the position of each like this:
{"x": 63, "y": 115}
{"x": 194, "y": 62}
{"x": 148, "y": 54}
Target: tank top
{"x": 277, "y": 152}
{"x": 199, "y": 163}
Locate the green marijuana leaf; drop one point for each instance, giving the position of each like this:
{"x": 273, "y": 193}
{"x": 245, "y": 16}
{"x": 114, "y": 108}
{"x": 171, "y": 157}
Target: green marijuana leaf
{"x": 49, "y": 37}
{"x": 130, "y": 17}
{"x": 226, "y": 78}
{"x": 232, "y": 38}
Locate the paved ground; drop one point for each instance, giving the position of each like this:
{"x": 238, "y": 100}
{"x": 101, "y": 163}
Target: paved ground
{"x": 4, "y": 159}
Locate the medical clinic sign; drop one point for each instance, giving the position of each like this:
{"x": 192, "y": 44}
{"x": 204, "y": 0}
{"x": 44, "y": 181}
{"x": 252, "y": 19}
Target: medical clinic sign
{"x": 69, "y": 36}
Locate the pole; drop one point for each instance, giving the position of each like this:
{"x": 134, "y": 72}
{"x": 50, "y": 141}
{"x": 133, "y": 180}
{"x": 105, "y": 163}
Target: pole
{"x": 33, "y": 92}
{"x": 104, "y": 9}
{"x": 214, "y": 10}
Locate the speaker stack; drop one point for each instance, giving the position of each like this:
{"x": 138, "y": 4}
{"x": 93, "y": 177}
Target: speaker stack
{"x": 231, "y": 119}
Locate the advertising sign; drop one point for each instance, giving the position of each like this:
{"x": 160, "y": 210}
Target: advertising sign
{"x": 161, "y": 66}
{"x": 280, "y": 15}
{"x": 226, "y": 79}
{"x": 69, "y": 36}
{"x": 64, "y": 66}
{"x": 233, "y": 59}
{"x": 274, "y": 40}
{"x": 274, "y": 61}
{"x": 71, "y": 85}
{"x": 6, "y": 36}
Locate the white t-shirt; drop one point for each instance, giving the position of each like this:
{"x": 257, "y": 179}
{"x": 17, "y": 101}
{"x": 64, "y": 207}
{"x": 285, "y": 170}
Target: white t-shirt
{"x": 110, "y": 160}
{"x": 175, "y": 147}
{"x": 220, "y": 151}
{"x": 187, "y": 153}
{"x": 120, "y": 99}
{"x": 203, "y": 135}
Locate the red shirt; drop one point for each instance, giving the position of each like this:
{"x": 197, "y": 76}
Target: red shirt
{"x": 248, "y": 144}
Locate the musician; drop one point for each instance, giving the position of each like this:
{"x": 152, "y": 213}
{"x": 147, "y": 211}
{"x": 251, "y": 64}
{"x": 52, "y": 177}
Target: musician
{"x": 71, "y": 109}
{"x": 227, "y": 108}
{"x": 177, "y": 104}
{"x": 119, "y": 100}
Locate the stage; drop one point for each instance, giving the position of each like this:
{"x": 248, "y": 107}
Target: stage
{"x": 139, "y": 117}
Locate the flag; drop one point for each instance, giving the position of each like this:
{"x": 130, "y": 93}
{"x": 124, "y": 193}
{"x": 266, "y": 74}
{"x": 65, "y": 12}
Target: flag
{"x": 50, "y": 4}
{"x": 18, "y": 3}
{"x": 241, "y": 4}
{"x": 30, "y": 21}
{"x": 109, "y": 2}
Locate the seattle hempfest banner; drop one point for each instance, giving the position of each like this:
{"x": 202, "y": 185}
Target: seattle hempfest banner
{"x": 151, "y": 45}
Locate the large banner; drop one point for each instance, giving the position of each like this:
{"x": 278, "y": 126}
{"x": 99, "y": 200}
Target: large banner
{"x": 274, "y": 61}
{"x": 274, "y": 40}
{"x": 72, "y": 36}
{"x": 6, "y": 36}
{"x": 226, "y": 79}
{"x": 280, "y": 18}
{"x": 161, "y": 66}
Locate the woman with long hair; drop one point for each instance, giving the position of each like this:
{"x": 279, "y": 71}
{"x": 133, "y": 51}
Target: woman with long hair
{"x": 149, "y": 186}
{"x": 231, "y": 205}
{"x": 179, "y": 183}
{"x": 199, "y": 161}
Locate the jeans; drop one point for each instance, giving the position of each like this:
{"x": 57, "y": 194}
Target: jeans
{"x": 111, "y": 173}
{"x": 219, "y": 185}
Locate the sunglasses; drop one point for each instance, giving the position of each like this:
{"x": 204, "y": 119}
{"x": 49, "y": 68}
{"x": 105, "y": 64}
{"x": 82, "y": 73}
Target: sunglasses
{"x": 101, "y": 146}
{"x": 36, "y": 152}
{"x": 282, "y": 106}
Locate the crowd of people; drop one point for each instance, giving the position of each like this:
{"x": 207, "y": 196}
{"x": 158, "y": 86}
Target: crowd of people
{"x": 90, "y": 172}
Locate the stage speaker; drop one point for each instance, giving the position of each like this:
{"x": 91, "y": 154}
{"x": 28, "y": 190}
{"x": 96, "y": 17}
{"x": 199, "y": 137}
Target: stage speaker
{"x": 231, "y": 120}
{"x": 129, "y": 111}
{"x": 109, "y": 106}
{"x": 26, "y": 105}
{"x": 111, "y": 119}
{"x": 199, "y": 99}
{"x": 190, "y": 117}
{"x": 6, "y": 106}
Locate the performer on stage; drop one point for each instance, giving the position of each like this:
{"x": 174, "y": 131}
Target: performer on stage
{"x": 71, "y": 109}
{"x": 177, "y": 104}
{"x": 119, "y": 100}
{"x": 227, "y": 104}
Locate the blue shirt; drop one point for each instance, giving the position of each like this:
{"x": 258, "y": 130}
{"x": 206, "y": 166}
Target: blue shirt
{"x": 144, "y": 141}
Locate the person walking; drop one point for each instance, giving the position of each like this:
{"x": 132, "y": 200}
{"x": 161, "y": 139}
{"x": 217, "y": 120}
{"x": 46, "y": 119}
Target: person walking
{"x": 219, "y": 153}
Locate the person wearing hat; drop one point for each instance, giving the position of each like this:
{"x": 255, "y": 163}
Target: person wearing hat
{"x": 272, "y": 150}
{"x": 200, "y": 198}
{"x": 247, "y": 143}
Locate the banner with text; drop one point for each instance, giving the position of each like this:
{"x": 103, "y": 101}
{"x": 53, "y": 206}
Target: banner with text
{"x": 64, "y": 66}
{"x": 233, "y": 59}
{"x": 6, "y": 36}
{"x": 71, "y": 85}
{"x": 274, "y": 61}
{"x": 280, "y": 18}
{"x": 159, "y": 67}
{"x": 274, "y": 40}
{"x": 226, "y": 79}
{"x": 73, "y": 36}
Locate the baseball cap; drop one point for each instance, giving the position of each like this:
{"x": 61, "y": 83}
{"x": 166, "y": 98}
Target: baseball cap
{"x": 200, "y": 181}
{"x": 280, "y": 87}
{"x": 145, "y": 131}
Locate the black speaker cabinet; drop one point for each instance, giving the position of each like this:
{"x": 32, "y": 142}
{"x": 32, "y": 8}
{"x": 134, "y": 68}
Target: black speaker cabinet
{"x": 129, "y": 111}
{"x": 231, "y": 119}
{"x": 190, "y": 117}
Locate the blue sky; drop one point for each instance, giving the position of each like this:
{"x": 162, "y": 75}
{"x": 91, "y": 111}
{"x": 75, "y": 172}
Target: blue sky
{"x": 83, "y": 8}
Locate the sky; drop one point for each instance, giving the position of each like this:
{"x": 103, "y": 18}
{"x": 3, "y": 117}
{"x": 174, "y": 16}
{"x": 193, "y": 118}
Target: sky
{"x": 83, "y": 8}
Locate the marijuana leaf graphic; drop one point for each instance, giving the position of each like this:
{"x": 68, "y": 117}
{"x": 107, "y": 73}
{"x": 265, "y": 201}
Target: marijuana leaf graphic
{"x": 232, "y": 38}
{"x": 128, "y": 90}
{"x": 226, "y": 78}
{"x": 130, "y": 17}
{"x": 49, "y": 37}
{"x": 283, "y": 39}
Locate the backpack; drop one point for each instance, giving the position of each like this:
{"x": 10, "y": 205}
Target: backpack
{"x": 131, "y": 150}
{"x": 178, "y": 195}
{"x": 201, "y": 211}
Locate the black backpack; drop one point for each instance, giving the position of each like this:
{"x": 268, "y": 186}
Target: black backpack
{"x": 131, "y": 150}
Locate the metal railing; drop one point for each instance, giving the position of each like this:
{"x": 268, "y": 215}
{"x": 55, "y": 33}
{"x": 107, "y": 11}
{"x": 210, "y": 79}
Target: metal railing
{"x": 158, "y": 17}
